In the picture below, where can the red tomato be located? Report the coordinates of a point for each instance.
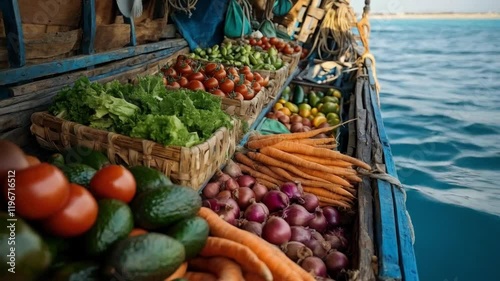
(183, 81)
(195, 85)
(114, 181)
(217, 92)
(274, 41)
(297, 49)
(268, 46)
(288, 50)
(249, 94)
(256, 87)
(220, 74)
(249, 76)
(210, 68)
(265, 81)
(253, 42)
(258, 78)
(211, 83)
(169, 72)
(77, 216)
(264, 40)
(196, 76)
(236, 96)
(137, 232)
(40, 191)
(232, 70)
(241, 88)
(245, 69)
(174, 85)
(247, 82)
(184, 69)
(259, 42)
(226, 85)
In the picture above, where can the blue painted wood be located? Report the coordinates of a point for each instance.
(133, 38)
(406, 250)
(10, 76)
(14, 33)
(88, 26)
(387, 235)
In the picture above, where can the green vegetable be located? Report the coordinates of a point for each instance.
(148, 179)
(167, 130)
(192, 233)
(298, 95)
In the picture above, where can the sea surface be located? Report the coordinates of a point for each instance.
(441, 107)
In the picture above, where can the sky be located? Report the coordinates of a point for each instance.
(426, 6)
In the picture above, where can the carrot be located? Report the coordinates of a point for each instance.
(250, 276)
(318, 191)
(225, 269)
(353, 178)
(247, 170)
(267, 184)
(333, 177)
(280, 265)
(316, 142)
(180, 272)
(271, 162)
(216, 246)
(336, 203)
(340, 205)
(242, 158)
(327, 146)
(330, 186)
(325, 161)
(256, 142)
(199, 276)
(319, 152)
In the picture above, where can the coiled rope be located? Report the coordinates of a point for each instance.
(185, 6)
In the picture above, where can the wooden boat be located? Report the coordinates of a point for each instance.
(383, 231)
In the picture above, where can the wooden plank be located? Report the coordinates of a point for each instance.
(88, 26)
(365, 192)
(43, 86)
(111, 37)
(14, 33)
(15, 120)
(51, 12)
(406, 250)
(10, 76)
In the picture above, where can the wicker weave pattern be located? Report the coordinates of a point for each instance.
(185, 166)
(292, 60)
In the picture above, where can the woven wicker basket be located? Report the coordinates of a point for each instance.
(293, 61)
(185, 166)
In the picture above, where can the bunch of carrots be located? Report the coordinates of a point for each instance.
(299, 157)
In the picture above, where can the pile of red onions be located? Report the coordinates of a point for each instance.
(286, 217)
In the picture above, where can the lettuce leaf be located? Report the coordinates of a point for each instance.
(167, 130)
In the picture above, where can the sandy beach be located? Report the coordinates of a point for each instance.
(437, 16)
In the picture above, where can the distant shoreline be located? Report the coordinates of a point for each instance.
(437, 16)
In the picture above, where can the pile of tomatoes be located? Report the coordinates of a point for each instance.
(229, 82)
(265, 43)
(42, 193)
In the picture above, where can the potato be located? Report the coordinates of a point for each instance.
(306, 122)
(296, 127)
(284, 119)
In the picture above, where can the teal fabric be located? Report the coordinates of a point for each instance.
(271, 126)
(282, 7)
(237, 24)
(267, 28)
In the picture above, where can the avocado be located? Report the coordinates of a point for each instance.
(25, 256)
(87, 156)
(114, 222)
(192, 233)
(165, 206)
(79, 173)
(78, 271)
(148, 178)
(148, 257)
(56, 160)
(298, 95)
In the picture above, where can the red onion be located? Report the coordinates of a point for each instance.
(296, 215)
(314, 265)
(232, 169)
(275, 200)
(231, 184)
(260, 190)
(336, 261)
(311, 202)
(229, 210)
(319, 221)
(246, 180)
(211, 190)
(336, 239)
(332, 216)
(213, 204)
(296, 251)
(300, 234)
(319, 248)
(276, 231)
(221, 177)
(244, 196)
(224, 195)
(256, 212)
(252, 227)
(293, 191)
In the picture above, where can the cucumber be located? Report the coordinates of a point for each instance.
(298, 95)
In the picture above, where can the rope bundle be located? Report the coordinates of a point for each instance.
(183, 5)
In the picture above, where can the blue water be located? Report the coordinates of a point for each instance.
(441, 106)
